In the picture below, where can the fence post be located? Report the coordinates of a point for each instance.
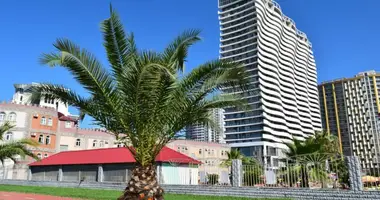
(354, 173)
(5, 171)
(60, 173)
(158, 173)
(237, 173)
(29, 178)
(100, 173)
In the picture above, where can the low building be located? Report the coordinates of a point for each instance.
(112, 165)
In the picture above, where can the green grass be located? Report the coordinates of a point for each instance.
(93, 194)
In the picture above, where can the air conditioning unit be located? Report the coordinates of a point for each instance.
(33, 134)
(35, 115)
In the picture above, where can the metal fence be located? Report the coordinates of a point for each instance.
(307, 171)
(371, 178)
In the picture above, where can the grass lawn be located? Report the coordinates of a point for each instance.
(93, 194)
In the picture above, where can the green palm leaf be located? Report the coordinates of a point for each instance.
(10, 150)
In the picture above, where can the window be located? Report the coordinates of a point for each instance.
(77, 143)
(50, 122)
(20, 98)
(94, 143)
(46, 155)
(41, 139)
(39, 156)
(222, 153)
(101, 144)
(2, 116)
(43, 121)
(9, 136)
(47, 139)
(67, 124)
(63, 147)
(12, 117)
(200, 151)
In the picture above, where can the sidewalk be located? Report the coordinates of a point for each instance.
(26, 196)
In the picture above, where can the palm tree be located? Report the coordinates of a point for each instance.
(11, 150)
(316, 150)
(236, 154)
(145, 99)
(233, 154)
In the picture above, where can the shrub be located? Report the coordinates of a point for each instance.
(213, 179)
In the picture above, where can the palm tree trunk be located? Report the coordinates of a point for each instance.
(143, 185)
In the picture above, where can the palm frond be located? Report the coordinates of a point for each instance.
(176, 52)
(4, 128)
(86, 69)
(121, 47)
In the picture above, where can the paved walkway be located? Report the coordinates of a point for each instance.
(25, 196)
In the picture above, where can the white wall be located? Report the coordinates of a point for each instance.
(17, 135)
(179, 175)
(20, 117)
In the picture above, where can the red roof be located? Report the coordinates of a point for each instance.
(63, 117)
(108, 156)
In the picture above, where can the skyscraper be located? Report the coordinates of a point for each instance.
(350, 109)
(207, 133)
(283, 93)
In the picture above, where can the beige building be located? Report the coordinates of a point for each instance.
(71, 137)
(211, 155)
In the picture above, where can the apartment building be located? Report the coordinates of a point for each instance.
(282, 93)
(350, 109)
(71, 137)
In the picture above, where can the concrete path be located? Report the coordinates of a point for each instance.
(26, 196)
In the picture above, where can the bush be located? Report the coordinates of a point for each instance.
(213, 179)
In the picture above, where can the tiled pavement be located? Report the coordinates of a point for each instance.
(25, 196)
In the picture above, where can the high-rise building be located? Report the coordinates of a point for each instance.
(208, 133)
(350, 109)
(282, 94)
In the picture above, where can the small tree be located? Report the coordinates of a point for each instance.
(12, 149)
(316, 150)
(236, 154)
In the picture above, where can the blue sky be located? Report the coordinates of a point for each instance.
(345, 33)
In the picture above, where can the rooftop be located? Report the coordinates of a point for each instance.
(110, 156)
